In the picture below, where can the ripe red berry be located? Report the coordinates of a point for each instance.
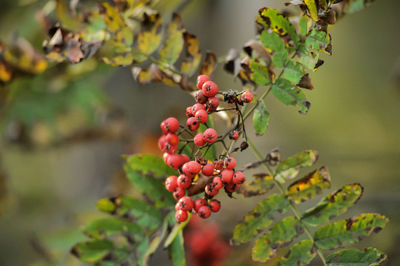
(199, 139)
(178, 193)
(162, 141)
(174, 161)
(208, 169)
(184, 181)
(238, 178)
(227, 175)
(246, 97)
(210, 135)
(198, 203)
(196, 107)
(210, 190)
(170, 124)
(231, 187)
(230, 162)
(212, 104)
(189, 112)
(181, 216)
(204, 212)
(200, 98)
(172, 139)
(217, 182)
(201, 116)
(234, 135)
(186, 203)
(191, 168)
(165, 157)
(201, 79)
(192, 124)
(215, 205)
(209, 89)
(177, 207)
(171, 183)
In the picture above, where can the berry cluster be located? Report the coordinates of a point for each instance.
(199, 175)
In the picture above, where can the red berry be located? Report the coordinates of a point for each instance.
(192, 124)
(172, 139)
(204, 212)
(234, 135)
(165, 157)
(211, 190)
(191, 168)
(170, 124)
(217, 182)
(171, 183)
(208, 169)
(246, 97)
(209, 89)
(238, 178)
(162, 141)
(185, 158)
(189, 112)
(184, 181)
(201, 116)
(186, 203)
(199, 140)
(174, 161)
(178, 193)
(181, 216)
(196, 107)
(198, 203)
(215, 205)
(210, 135)
(177, 207)
(200, 98)
(231, 187)
(218, 164)
(201, 79)
(212, 104)
(227, 175)
(230, 162)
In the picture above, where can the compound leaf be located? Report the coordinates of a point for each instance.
(259, 218)
(333, 205)
(309, 186)
(300, 254)
(350, 257)
(349, 231)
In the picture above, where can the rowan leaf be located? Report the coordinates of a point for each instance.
(312, 8)
(120, 32)
(348, 231)
(299, 254)
(261, 184)
(290, 95)
(176, 249)
(317, 40)
(173, 44)
(307, 58)
(276, 45)
(259, 218)
(107, 227)
(193, 56)
(303, 25)
(333, 205)
(209, 64)
(260, 119)
(150, 36)
(148, 164)
(279, 235)
(350, 257)
(293, 72)
(309, 186)
(156, 239)
(93, 251)
(289, 168)
(260, 73)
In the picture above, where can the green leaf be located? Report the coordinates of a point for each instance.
(176, 249)
(307, 58)
(259, 73)
(260, 119)
(289, 168)
(312, 8)
(300, 254)
(261, 184)
(309, 186)
(156, 240)
(273, 41)
(192, 59)
(289, 94)
(150, 36)
(317, 40)
(146, 215)
(333, 205)
(280, 234)
(349, 231)
(173, 44)
(279, 23)
(178, 227)
(303, 25)
(293, 72)
(111, 226)
(355, 257)
(259, 218)
(148, 164)
(92, 251)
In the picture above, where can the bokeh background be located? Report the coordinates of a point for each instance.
(50, 184)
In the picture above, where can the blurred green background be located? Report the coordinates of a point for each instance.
(51, 190)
